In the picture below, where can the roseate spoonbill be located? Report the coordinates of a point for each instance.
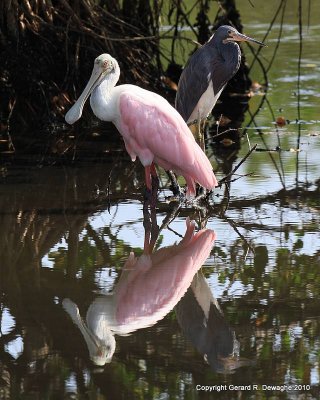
(148, 289)
(207, 72)
(151, 128)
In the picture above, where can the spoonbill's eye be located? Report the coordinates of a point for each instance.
(107, 64)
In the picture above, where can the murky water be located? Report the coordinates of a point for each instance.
(101, 301)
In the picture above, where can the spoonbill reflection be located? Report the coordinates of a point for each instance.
(151, 128)
(148, 289)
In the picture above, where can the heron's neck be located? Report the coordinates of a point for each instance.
(101, 100)
(232, 55)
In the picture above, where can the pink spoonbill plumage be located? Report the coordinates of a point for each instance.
(151, 128)
(149, 287)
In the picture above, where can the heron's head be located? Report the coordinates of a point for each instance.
(226, 34)
(104, 66)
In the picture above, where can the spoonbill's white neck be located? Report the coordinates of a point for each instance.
(101, 100)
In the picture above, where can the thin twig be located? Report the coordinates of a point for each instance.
(267, 33)
(171, 215)
(298, 90)
(275, 50)
(10, 142)
(227, 177)
(227, 189)
(224, 132)
(279, 142)
(233, 225)
(282, 179)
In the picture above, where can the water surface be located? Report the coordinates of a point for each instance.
(240, 306)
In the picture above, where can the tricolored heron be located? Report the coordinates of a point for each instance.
(207, 72)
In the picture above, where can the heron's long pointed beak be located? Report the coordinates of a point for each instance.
(239, 37)
(75, 111)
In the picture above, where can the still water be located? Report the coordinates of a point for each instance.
(102, 301)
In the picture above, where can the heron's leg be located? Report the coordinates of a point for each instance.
(200, 140)
(203, 129)
(200, 133)
(174, 187)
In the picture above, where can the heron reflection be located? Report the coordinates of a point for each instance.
(149, 287)
(204, 324)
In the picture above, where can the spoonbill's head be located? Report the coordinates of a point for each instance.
(104, 66)
(99, 338)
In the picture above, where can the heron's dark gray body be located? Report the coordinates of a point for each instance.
(207, 72)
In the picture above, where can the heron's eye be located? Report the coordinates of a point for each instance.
(229, 32)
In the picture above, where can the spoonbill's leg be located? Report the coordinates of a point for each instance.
(154, 229)
(147, 172)
(152, 185)
(155, 186)
(147, 232)
(147, 194)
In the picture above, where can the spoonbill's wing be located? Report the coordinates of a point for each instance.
(154, 131)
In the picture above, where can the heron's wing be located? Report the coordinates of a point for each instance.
(154, 131)
(205, 65)
(192, 84)
(224, 65)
